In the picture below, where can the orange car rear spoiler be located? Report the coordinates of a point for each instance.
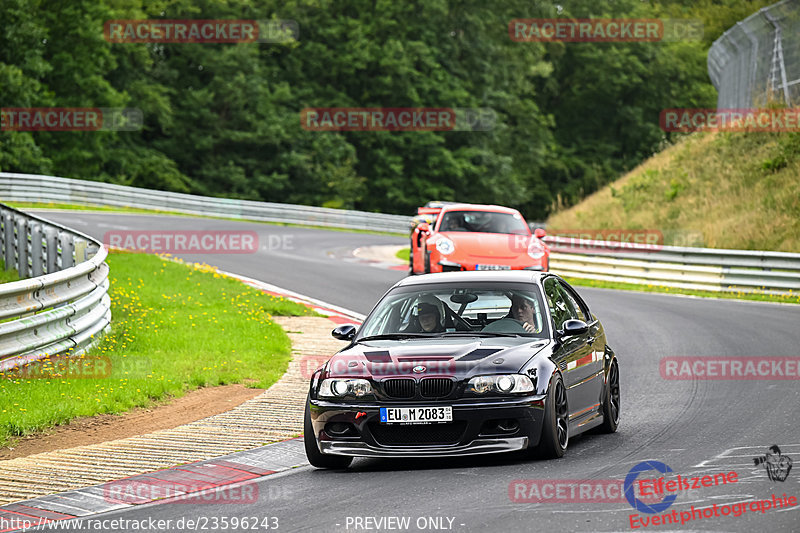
(428, 210)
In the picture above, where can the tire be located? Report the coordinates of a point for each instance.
(555, 431)
(427, 261)
(611, 405)
(315, 457)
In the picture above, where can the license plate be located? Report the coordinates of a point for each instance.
(492, 267)
(416, 415)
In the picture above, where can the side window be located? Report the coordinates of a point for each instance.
(581, 311)
(561, 308)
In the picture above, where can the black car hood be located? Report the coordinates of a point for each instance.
(460, 357)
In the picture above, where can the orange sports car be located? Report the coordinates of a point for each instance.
(451, 237)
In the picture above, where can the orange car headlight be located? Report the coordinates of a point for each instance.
(445, 246)
(535, 250)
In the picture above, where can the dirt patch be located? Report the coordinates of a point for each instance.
(193, 406)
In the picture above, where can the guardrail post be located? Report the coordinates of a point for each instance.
(2, 233)
(51, 240)
(37, 250)
(22, 248)
(80, 251)
(67, 249)
(8, 238)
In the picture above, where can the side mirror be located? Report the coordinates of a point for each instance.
(539, 233)
(424, 227)
(345, 332)
(573, 327)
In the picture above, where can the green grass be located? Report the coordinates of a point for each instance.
(7, 275)
(175, 328)
(737, 190)
(792, 299)
(88, 207)
(114, 209)
(403, 253)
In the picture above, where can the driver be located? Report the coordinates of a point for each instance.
(522, 310)
(454, 222)
(429, 318)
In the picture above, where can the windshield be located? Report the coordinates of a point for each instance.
(453, 310)
(484, 222)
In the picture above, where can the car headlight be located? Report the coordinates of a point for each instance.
(445, 246)
(338, 388)
(535, 250)
(504, 383)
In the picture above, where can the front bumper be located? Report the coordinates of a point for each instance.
(452, 266)
(473, 431)
(476, 447)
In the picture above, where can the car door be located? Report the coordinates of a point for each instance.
(571, 353)
(590, 366)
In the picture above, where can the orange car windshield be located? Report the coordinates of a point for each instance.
(483, 222)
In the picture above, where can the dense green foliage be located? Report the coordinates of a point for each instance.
(223, 119)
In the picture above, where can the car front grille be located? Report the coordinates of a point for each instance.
(428, 388)
(435, 387)
(399, 388)
(416, 434)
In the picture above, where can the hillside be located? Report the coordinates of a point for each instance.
(741, 190)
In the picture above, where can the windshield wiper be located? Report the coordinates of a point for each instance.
(389, 336)
(482, 334)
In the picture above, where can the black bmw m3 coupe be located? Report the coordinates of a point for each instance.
(464, 363)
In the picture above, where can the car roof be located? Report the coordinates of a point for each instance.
(478, 207)
(503, 276)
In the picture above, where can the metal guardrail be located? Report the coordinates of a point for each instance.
(62, 306)
(711, 269)
(34, 188)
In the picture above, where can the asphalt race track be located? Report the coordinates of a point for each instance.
(696, 427)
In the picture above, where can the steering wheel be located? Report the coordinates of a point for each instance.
(506, 325)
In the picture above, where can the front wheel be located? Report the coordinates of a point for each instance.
(315, 457)
(611, 403)
(555, 431)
